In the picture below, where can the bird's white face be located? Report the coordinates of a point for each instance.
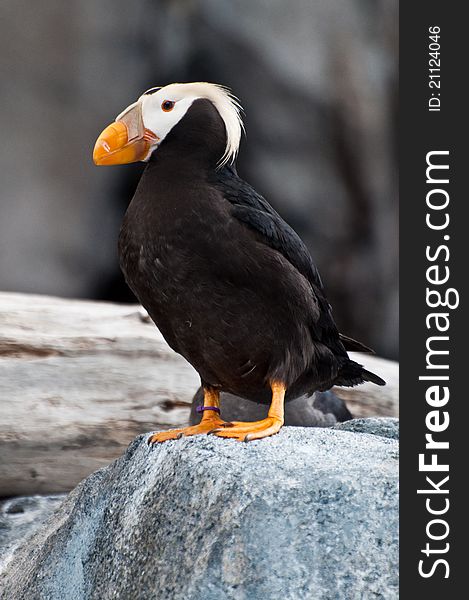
(142, 126)
(162, 110)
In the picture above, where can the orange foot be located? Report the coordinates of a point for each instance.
(205, 426)
(258, 429)
(245, 432)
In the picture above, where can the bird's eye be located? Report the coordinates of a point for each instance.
(168, 105)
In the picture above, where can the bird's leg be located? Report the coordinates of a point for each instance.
(259, 429)
(210, 420)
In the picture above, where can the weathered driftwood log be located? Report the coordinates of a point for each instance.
(79, 379)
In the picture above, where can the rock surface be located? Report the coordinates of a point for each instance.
(388, 428)
(20, 517)
(309, 513)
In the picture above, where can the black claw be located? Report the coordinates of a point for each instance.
(247, 438)
(179, 436)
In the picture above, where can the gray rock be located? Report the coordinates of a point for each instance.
(387, 427)
(20, 517)
(309, 513)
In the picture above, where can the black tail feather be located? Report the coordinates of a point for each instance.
(352, 345)
(352, 373)
(369, 376)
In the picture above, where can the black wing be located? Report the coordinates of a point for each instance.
(254, 210)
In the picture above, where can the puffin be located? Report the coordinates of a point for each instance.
(230, 285)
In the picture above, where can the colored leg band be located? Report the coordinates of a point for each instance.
(201, 409)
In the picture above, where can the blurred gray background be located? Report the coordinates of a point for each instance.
(317, 78)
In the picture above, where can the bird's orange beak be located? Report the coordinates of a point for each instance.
(124, 141)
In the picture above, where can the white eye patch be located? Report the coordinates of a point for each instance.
(156, 118)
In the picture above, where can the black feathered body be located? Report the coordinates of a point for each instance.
(228, 283)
